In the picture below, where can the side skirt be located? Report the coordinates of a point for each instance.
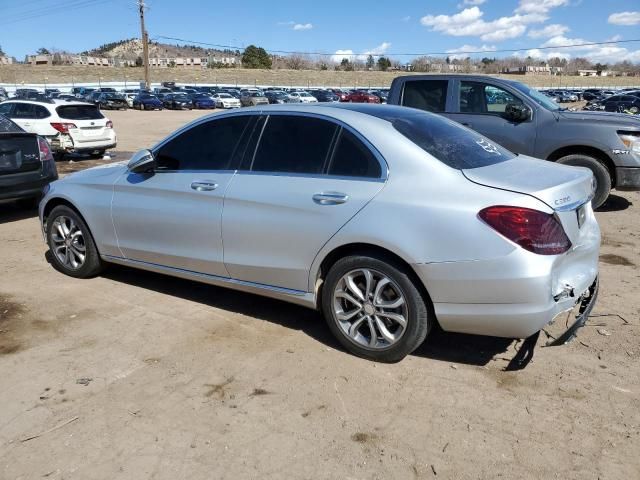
(298, 297)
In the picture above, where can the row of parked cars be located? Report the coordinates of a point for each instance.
(624, 100)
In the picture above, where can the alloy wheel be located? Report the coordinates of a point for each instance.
(370, 309)
(68, 243)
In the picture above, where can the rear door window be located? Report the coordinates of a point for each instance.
(352, 158)
(206, 146)
(294, 144)
(5, 108)
(24, 110)
(79, 112)
(429, 95)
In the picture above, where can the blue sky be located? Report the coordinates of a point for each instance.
(336, 27)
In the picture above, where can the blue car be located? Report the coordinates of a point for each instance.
(201, 100)
(146, 101)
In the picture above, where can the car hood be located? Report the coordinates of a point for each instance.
(620, 120)
(559, 186)
(100, 172)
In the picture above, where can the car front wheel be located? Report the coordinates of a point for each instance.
(73, 251)
(374, 309)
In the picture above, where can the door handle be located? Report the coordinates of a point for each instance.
(204, 186)
(467, 125)
(330, 198)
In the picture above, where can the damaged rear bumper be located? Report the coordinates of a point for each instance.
(575, 319)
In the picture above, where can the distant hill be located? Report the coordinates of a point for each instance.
(131, 48)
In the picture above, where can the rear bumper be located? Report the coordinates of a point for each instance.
(513, 296)
(627, 178)
(27, 189)
(88, 149)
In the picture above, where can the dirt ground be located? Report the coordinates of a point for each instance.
(134, 375)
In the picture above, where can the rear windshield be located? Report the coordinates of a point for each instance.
(7, 126)
(452, 144)
(79, 112)
(18, 154)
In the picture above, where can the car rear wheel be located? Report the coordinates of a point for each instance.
(374, 309)
(73, 251)
(600, 173)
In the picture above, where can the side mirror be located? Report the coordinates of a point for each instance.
(142, 162)
(517, 112)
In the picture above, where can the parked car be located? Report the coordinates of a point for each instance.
(591, 94)
(202, 100)
(177, 101)
(531, 124)
(324, 96)
(303, 97)
(235, 93)
(251, 98)
(111, 101)
(68, 126)
(3, 94)
(480, 251)
(26, 93)
(146, 101)
(92, 97)
(129, 98)
(279, 97)
(381, 94)
(360, 96)
(51, 92)
(225, 100)
(26, 164)
(66, 96)
(622, 103)
(81, 92)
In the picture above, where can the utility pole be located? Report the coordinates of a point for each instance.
(145, 45)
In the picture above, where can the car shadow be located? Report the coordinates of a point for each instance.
(614, 203)
(440, 345)
(14, 211)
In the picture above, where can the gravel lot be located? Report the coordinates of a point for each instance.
(134, 375)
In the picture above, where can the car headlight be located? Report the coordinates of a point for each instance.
(631, 140)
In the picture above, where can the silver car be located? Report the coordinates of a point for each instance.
(388, 219)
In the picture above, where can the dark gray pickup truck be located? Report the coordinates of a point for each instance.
(526, 122)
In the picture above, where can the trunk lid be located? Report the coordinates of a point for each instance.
(90, 124)
(19, 153)
(561, 187)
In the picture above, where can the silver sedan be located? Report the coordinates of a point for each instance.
(387, 219)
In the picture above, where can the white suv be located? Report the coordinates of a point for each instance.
(68, 126)
(303, 97)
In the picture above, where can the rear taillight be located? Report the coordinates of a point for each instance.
(109, 124)
(533, 230)
(63, 127)
(46, 155)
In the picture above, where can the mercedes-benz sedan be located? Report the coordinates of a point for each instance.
(388, 219)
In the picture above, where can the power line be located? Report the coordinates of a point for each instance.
(398, 54)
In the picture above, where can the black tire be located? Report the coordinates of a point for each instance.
(98, 154)
(600, 172)
(419, 321)
(93, 264)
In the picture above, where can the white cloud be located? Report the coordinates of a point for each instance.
(303, 26)
(469, 22)
(460, 51)
(341, 55)
(350, 55)
(467, 3)
(539, 6)
(549, 31)
(625, 18)
(290, 22)
(596, 53)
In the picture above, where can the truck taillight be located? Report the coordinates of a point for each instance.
(533, 230)
(109, 124)
(46, 155)
(63, 127)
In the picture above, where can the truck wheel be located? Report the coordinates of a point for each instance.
(600, 173)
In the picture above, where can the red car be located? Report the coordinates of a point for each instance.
(360, 96)
(342, 95)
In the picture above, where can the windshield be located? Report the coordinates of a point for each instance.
(224, 95)
(113, 96)
(537, 96)
(79, 112)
